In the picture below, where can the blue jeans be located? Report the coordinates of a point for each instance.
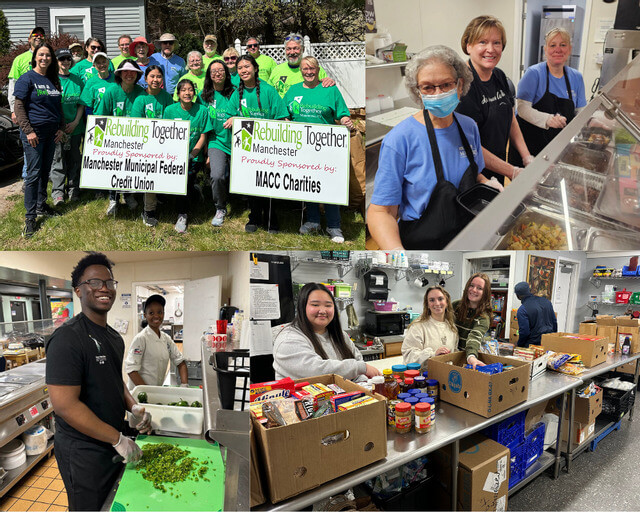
(39, 161)
(332, 212)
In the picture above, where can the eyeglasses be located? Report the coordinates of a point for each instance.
(230, 59)
(37, 36)
(97, 284)
(292, 38)
(255, 45)
(170, 43)
(217, 71)
(431, 89)
(95, 47)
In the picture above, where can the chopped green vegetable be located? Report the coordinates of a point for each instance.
(142, 397)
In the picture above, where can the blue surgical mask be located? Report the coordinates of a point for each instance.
(441, 105)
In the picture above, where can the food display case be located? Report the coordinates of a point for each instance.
(582, 192)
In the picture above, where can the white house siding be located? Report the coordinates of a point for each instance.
(21, 20)
(123, 18)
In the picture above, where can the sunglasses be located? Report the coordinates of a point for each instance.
(292, 38)
(230, 59)
(252, 45)
(170, 43)
(65, 58)
(95, 47)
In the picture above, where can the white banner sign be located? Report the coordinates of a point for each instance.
(136, 155)
(284, 160)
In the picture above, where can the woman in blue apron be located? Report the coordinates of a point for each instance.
(490, 102)
(427, 159)
(549, 94)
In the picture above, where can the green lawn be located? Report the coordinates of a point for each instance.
(84, 226)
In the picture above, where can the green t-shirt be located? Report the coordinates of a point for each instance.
(71, 91)
(218, 112)
(115, 62)
(198, 82)
(284, 76)
(94, 90)
(116, 102)
(272, 105)
(201, 123)
(207, 60)
(235, 79)
(85, 70)
(21, 64)
(151, 106)
(318, 105)
(265, 66)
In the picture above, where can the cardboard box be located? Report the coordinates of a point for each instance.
(514, 335)
(593, 349)
(628, 368)
(628, 327)
(579, 433)
(586, 409)
(486, 395)
(257, 494)
(514, 318)
(483, 473)
(295, 458)
(588, 328)
(607, 327)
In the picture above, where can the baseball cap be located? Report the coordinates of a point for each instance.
(63, 53)
(73, 45)
(100, 54)
(154, 298)
(211, 37)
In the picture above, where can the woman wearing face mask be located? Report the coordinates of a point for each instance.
(489, 102)
(427, 159)
(550, 94)
(473, 316)
(434, 333)
(151, 106)
(315, 344)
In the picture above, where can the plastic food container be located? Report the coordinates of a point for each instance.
(35, 440)
(623, 297)
(384, 306)
(186, 420)
(342, 290)
(13, 455)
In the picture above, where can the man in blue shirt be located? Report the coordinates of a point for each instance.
(172, 64)
(535, 316)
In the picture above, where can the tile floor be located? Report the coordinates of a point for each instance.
(40, 489)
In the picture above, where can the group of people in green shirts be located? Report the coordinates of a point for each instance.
(209, 90)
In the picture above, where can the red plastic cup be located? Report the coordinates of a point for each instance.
(221, 326)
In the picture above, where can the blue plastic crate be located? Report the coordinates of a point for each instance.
(534, 444)
(627, 272)
(517, 464)
(509, 432)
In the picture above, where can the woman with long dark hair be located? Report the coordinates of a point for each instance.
(473, 316)
(434, 333)
(315, 344)
(85, 68)
(38, 109)
(258, 100)
(215, 95)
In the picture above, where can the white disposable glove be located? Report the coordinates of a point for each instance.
(128, 449)
(494, 183)
(140, 419)
(528, 159)
(183, 385)
(516, 171)
(556, 121)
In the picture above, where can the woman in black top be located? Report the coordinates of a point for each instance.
(490, 102)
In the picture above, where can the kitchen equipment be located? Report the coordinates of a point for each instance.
(136, 493)
(13, 455)
(227, 312)
(171, 418)
(35, 440)
(376, 285)
(386, 323)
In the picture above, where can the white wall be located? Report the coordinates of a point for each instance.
(595, 45)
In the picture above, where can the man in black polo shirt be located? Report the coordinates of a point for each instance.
(84, 375)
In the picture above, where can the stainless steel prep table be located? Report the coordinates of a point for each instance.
(613, 361)
(230, 429)
(376, 131)
(452, 424)
(22, 407)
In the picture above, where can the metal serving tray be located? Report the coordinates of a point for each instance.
(579, 156)
(582, 188)
(600, 239)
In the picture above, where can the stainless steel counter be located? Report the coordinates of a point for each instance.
(452, 424)
(376, 131)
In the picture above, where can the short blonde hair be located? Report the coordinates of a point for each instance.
(557, 31)
(478, 27)
(310, 60)
(229, 52)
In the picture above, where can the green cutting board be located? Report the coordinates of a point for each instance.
(136, 493)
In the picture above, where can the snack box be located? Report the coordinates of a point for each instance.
(628, 327)
(305, 455)
(586, 410)
(486, 395)
(593, 349)
(273, 389)
(171, 418)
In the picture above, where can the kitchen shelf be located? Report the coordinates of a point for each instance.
(343, 266)
(14, 475)
(388, 65)
(613, 304)
(595, 280)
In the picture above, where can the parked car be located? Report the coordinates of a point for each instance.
(10, 145)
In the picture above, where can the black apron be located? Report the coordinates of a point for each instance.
(537, 138)
(495, 129)
(442, 219)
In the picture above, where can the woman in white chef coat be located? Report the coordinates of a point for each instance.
(151, 350)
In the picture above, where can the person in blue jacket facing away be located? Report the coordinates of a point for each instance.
(535, 316)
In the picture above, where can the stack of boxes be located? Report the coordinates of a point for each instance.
(514, 333)
(616, 330)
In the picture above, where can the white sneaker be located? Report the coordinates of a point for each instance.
(336, 235)
(309, 227)
(218, 220)
(131, 201)
(113, 205)
(181, 224)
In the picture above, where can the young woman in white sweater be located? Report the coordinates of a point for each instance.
(315, 344)
(434, 333)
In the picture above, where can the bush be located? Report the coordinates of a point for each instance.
(5, 41)
(187, 43)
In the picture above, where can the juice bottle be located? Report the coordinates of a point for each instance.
(391, 388)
